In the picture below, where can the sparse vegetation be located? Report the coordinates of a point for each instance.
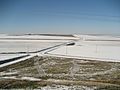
(68, 71)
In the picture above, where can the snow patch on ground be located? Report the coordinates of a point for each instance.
(30, 78)
(63, 87)
(22, 78)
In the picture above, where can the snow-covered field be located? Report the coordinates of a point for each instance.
(104, 48)
(35, 37)
(22, 46)
(27, 43)
(14, 47)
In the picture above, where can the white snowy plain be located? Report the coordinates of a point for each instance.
(27, 43)
(104, 49)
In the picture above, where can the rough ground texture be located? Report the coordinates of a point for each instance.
(63, 73)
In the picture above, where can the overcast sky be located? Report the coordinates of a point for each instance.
(60, 16)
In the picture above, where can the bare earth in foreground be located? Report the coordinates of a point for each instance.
(63, 73)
